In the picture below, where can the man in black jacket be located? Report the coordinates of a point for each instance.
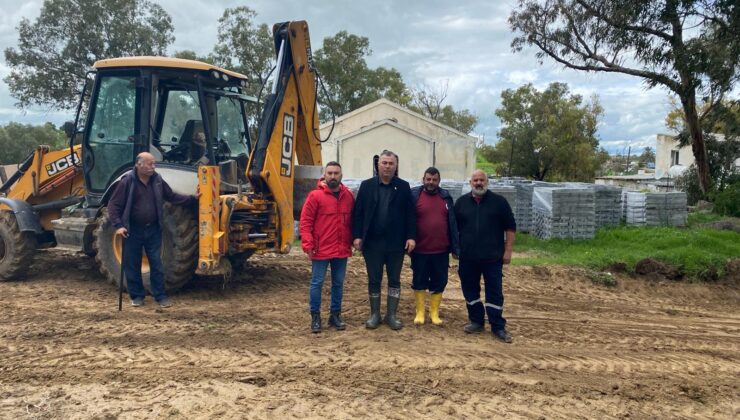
(136, 210)
(482, 219)
(383, 227)
(436, 237)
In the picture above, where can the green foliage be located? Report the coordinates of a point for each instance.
(698, 218)
(721, 156)
(552, 133)
(602, 279)
(244, 46)
(351, 84)
(690, 47)
(18, 140)
(57, 49)
(192, 55)
(727, 202)
(482, 163)
(647, 156)
(692, 250)
(428, 102)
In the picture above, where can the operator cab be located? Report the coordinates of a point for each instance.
(186, 113)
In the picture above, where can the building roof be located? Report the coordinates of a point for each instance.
(383, 101)
(385, 121)
(169, 62)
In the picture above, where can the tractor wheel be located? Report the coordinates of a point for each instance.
(16, 248)
(179, 248)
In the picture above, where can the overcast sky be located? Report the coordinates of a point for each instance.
(463, 43)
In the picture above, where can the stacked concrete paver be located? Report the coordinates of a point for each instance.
(563, 213)
(656, 209)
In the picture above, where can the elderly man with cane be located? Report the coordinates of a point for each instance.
(136, 211)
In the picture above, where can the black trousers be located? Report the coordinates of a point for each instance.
(492, 272)
(378, 255)
(430, 271)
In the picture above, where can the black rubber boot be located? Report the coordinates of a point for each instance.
(315, 322)
(390, 313)
(335, 320)
(374, 319)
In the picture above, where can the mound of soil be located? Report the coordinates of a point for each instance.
(650, 266)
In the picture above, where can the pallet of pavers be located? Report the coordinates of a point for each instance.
(506, 191)
(455, 188)
(524, 190)
(607, 202)
(656, 208)
(567, 213)
(608, 205)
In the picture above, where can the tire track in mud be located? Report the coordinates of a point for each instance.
(61, 356)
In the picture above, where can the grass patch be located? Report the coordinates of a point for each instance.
(701, 217)
(692, 250)
(483, 164)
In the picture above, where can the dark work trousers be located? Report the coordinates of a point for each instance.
(376, 257)
(149, 239)
(430, 271)
(470, 274)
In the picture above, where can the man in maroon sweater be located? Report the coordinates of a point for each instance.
(436, 231)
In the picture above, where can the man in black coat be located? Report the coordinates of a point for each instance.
(487, 228)
(383, 228)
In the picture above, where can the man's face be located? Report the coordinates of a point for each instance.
(332, 176)
(387, 166)
(145, 166)
(431, 183)
(479, 183)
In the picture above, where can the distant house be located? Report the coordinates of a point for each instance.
(668, 154)
(419, 141)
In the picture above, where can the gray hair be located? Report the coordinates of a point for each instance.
(389, 153)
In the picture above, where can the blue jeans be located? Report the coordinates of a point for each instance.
(318, 272)
(147, 239)
(492, 272)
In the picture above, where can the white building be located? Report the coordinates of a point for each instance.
(418, 141)
(669, 155)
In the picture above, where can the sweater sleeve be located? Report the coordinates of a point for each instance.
(175, 198)
(117, 203)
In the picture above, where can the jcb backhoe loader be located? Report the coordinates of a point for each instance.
(193, 117)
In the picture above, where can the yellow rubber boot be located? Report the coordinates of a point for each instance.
(419, 296)
(434, 302)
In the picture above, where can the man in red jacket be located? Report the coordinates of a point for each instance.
(326, 236)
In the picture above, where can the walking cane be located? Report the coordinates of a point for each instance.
(121, 277)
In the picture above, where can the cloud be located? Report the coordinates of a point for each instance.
(466, 44)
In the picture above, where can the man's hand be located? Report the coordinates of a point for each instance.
(357, 244)
(123, 232)
(410, 245)
(507, 256)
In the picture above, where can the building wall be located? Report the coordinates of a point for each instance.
(356, 152)
(452, 152)
(664, 145)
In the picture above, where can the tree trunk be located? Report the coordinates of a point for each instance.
(698, 146)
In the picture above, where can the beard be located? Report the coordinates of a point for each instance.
(479, 191)
(431, 190)
(332, 183)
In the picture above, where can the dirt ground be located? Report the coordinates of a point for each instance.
(643, 349)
